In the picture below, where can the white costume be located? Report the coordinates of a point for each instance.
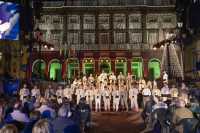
(107, 98)
(35, 92)
(116, 99)
(59, 95)
(67, 93)
(146, 92)
(165, 77)
(120, 78)
(129, 80)
(112, 78)
(133, 93)
(97, 100)
(24, 92)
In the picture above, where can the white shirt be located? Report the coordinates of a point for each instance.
(133, 92)
(146, 92)
(165, 90)
(35, 92)
(46, 108)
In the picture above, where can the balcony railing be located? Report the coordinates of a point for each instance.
(109, 3)
(109, 46)
(53, 3)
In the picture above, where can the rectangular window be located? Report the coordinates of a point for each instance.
(119, 38)
(89, 22)
(104, 38)
(73, 22)
(119, 21)
(135, 37)
(89, 38)
(73, 37)
(104, 22)
(56, 36)
(152, 38)
(135, 21)
(56, 19)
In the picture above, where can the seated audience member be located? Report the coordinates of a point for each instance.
(63, 120)
(42, 126)
(181, 113)
(17, 115)
(45, 110)
(9, 128)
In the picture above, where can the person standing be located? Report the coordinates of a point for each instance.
(129, 80)
(106, 98)
(24, 92)
(68, 92)
(59, 94)
(146, 92)
(35, 92)
(97, 99)
(124, 97)
(116, 98)
(120, 78)
(133, 94)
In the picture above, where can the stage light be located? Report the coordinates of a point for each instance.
(106, 60)
(162, 46)
(154, 48)
(52, 48)
(45, 46)
(91, 61)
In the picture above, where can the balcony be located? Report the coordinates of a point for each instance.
(53, 3)
(109, 46)
(109, 3)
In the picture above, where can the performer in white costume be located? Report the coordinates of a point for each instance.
(24, 92)
(97, 99)
(116, 98)
(133, 93)
(107, 98)
(59, 94)
(35, 92)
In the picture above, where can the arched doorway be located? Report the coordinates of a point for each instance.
(154, 69)
(72, 68)
(105, 65)
(88, 66)
(55, 70)
(120, 66)
(38, 69)
(137, 67)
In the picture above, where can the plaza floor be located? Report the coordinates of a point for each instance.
(116, 122)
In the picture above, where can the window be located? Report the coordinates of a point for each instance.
(119, 21)
(104, 22)
(104, 38)
(119, 38)
(74, 22)
(89, 38)
(89, 22)
(42, 20)
(134, 21)
(152, 19)
(56, 36)
(56, 19)
(73, 38)
(135, 37)
(152, 38)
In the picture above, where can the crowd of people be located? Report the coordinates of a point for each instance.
(67, 109)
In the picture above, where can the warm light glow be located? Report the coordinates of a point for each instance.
(154, 48)
(162, 46)
(45, 46)
(91, 61)
(52, 48)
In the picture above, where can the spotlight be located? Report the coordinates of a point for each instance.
(52, 48)
(162, 46)
(45, 46)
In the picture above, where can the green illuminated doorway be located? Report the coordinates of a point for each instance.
(55, 71)
(72, 69)
(105, 65)
(88, 67)
(38, 72)
(154, 69)
(137, 67)
(120, 66)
